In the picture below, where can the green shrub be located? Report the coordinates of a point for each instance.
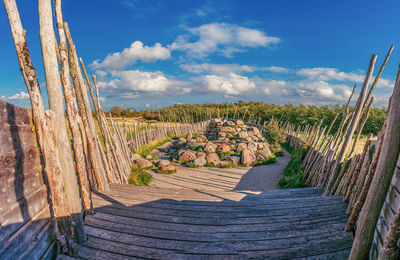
(209, 165)
(229, 165)
(279, 154)
(224, 154)
(274, 136)
(139, 177)
(266, 161)
(293, 174)
(192, 165)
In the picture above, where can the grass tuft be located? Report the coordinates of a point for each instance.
(139, 177)
(266, 161)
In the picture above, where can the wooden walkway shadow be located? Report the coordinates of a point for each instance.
(160, 223)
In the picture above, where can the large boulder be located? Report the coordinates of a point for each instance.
(240, 122)
(187, 156)
(252, 146)
(248, 157)
(143, 163)
(213, 158)
(163, 162)
(167, 168)
(164, 147)
(135, 157)
(199, 161)
(242, 134)
(267, 150)
(261, 155)
(210, 147)
(189, 136)
(241, 147)
(223, 148)
(201, 139)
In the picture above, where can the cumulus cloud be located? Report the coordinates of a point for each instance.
(220, 37)
(329, 74)
(222, 69)
(137, 51)
(230, 85)
(20, 95)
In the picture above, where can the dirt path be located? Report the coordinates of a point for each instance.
(259, 178)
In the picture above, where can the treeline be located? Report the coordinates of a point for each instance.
(131, 112)
(261, 112)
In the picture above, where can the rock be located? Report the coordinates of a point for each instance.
(260, 145)
(239, 122)
(221, 134)
(187, 156)
(261, 155)
(241, 147)
(167, 168)
(248, 157)
(252, 146)
(213, 158)
(199, 161)
(267, 150)
(143, 163)
(180, 143)
(242, 134)
(191, 144)
(155, 152)
(135, 157)
(201, 139)
(223, 148)
(224, 163)
(229, 123)
(165, 146)
(189, 136)
(233, 159)
(201, 154)
(163, 162)
(210, 147)
(149, 157)
(227, 129)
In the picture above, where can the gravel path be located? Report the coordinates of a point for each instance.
(259, 178)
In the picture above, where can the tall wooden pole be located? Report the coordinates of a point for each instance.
(352, 128)
(381, 181)
(46, 132)
(56, 103)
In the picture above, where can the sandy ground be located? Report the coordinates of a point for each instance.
(259, 178)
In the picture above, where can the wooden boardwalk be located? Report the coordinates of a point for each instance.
(164, 223)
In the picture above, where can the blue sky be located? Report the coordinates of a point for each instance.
(148, 54)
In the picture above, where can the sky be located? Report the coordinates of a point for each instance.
(151, 54)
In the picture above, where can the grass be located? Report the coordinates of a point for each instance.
(191, 165)
(139, 177)
(224, 154)
(279, 154)
(146, 149)
(293, 174)
(166, 172)
(266, 161)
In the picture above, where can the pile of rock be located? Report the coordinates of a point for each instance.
(224, 143)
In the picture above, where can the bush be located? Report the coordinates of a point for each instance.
(192, 165)
(279, 154)
(266, 161)
(293, 174)
(274, 136)
(139, 177)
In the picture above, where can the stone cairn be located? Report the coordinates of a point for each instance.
(224, 143)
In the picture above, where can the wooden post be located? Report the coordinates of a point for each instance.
(381, 181)
(46, 132)
(352, 128)
(72, 113)
(56, 103)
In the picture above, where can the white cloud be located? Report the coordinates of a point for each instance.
(102, 99)
(330, 74)
(141, 80)
(131, 95)
(3, 97)
(231, 85)
(220, 37)
(223, 69)
(137, 51)
(20, 95)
